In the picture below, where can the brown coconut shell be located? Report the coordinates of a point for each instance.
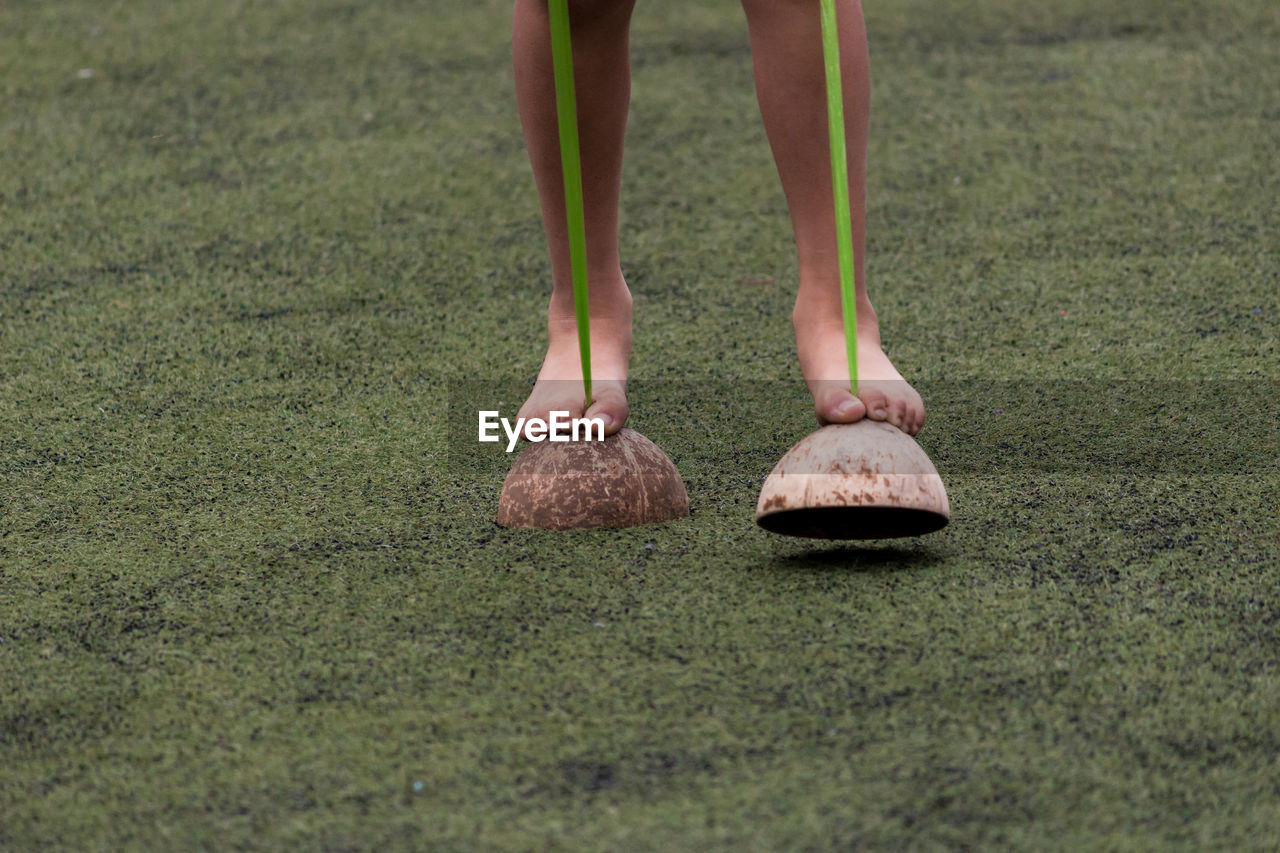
(623, 481)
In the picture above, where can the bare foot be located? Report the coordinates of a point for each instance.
(559, 386)
(883, 395)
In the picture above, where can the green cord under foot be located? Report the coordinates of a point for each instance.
(571, 164)
(840, 186)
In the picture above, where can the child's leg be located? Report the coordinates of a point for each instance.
(786, 47)
(602, 80)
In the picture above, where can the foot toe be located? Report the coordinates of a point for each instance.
(899, 413)
(915, 413)
(875, 400)
(835, 404)
(609, 404)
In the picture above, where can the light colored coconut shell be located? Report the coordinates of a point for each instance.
(865, 480)
(623, 481)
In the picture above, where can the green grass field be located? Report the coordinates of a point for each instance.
(261, 262)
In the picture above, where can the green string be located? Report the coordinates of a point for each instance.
(840, 186)
(571, 165)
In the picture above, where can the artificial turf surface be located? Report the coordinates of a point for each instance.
(260, 263)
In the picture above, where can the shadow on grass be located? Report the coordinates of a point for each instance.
(855, 558)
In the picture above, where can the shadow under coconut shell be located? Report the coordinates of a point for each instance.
(856, 559)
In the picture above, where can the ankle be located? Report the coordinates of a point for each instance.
(824, 310)
(609, 316)
(811, 324)
(608, 296)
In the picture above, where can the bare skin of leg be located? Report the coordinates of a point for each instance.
(602, 79)
(786, 47)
